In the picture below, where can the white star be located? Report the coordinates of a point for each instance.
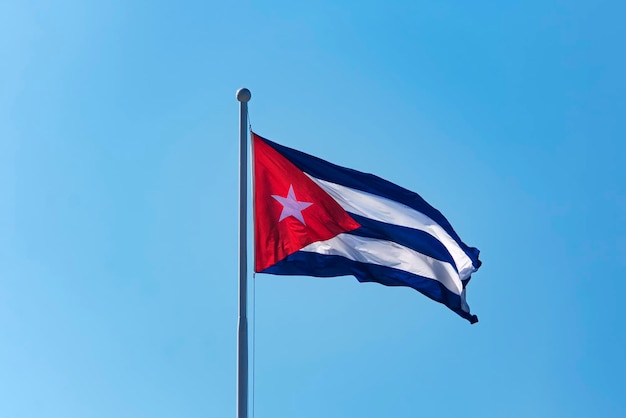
(291, 206)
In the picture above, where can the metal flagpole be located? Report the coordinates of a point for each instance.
(243, 95)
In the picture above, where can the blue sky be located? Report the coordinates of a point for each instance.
(118, 205)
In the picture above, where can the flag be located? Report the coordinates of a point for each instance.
(314, 218)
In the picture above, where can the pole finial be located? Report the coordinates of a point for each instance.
(243, 95)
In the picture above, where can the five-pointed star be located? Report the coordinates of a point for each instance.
(291, 206)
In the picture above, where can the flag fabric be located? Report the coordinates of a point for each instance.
(314, 218)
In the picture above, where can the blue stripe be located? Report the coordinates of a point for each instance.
(370, 183)
(312, 264)
(417, 240)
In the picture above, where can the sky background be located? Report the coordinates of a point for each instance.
(118, 205)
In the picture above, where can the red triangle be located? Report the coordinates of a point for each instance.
(275, 239)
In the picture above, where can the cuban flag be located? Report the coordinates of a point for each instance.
(314, 218)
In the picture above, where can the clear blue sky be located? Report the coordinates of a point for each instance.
(118, 205)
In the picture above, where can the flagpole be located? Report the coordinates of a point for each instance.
(243, 96)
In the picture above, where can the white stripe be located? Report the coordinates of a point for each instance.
(389, 254)
(389, 211)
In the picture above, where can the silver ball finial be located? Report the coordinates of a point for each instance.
(243, 95)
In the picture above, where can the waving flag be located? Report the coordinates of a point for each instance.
(314, 218)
